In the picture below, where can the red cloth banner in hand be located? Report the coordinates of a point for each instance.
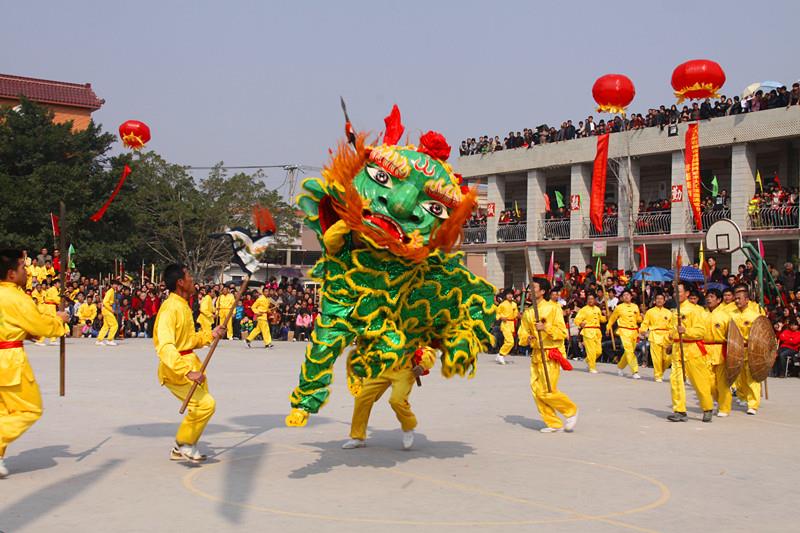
(598, 198)
(102, 211)
(692, 170)
(554, 354)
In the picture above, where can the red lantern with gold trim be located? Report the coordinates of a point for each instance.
(134, 134)
(613, 93)
(697, 79)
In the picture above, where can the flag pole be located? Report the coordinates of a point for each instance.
(62, 350)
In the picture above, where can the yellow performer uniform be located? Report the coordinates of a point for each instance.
(548, 403)
(261, 312)
(206, 317)
(224, 304)
(110, 324)
(657, 320)
(175, 340)
(20, 400)
(693, 318)
(507, 314)
(716, 339)
(402, 382)
(747, 389)
(28, 274)
(627, 318)
(87, 312)
(52, 299)
(591, 333)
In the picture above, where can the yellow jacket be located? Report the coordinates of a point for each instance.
(593, 316)
(108, 302)
(693, 318)
(173, 333)
(261, 307)
(658, 323)
(225, 301)
(87, 311)
(19, 320)
(507, 310)
(28, 275)
(744, 319)
(716, 333)
(207, 307)
(551, 314)
(52, 296)
(37, 296)
(626, 316)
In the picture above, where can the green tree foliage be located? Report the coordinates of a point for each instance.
(161, 214)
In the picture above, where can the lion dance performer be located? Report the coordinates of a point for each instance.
(387, 216)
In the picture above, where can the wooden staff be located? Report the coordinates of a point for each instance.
(675, 281)
(605, 308)
(62, 274)
(214, 344)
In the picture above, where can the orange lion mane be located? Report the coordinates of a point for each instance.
(339, 173)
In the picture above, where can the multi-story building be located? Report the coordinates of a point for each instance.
(734, 149)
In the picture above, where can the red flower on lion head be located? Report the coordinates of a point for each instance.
(435, 145)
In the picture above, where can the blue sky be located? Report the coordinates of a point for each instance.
(259, 82)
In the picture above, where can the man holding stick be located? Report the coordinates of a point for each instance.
(20, 400)
(543, 329)
(589, 319)
(175, 340)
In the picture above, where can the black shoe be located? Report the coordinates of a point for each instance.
(708, 416)
(677, 417)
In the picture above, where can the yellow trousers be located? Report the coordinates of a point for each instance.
(549, 403)
(720, 390)
(223, 314)
(262, 327)
(204, 322)
(699, 376)
(199, 411)
(507, 328)
(51, 310)
(747, 389)
(20, 408)
(110, 327)
(628, 338)
(401, 381)
(593, 348)
(658, 355)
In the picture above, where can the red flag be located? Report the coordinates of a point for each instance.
(692, 171)
(551, 269)
(778, 181)
(54, 225)
(546, 203)
(642, 251)
(102, 211)
(598, 197)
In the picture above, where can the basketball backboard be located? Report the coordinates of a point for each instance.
(723, 236)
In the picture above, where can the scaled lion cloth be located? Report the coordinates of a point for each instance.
(387, 217)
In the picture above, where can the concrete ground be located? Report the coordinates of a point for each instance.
(98, 459)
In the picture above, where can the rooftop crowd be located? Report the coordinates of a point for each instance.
(655, 117)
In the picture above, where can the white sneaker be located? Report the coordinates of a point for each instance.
(38, 343)
(751, 411)
(408, 439)
(185, 451)
(721, 414)
(740, 403)
(111, 343)
(593, 371)
(99, 343)
(353, 443)
(620, 374)
(571, 421)
(637, 376)
(659, 380)
(3, 468)
(500, 360)
(550, 430)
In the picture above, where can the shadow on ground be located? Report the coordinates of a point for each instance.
(527, 423)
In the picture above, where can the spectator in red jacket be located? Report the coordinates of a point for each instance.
(789, 345)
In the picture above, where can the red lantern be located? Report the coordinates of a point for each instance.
(134, 134)
(697, 79)
(613, 93)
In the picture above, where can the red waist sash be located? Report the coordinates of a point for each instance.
(8, 345)
(186, 352)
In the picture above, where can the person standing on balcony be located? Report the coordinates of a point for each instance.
(627, 317)
(507, 314)
(656, 326)
(589, 319)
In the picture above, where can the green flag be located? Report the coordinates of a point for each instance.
(597, 270)
(714, 186)
(559, 200)
(71, 256)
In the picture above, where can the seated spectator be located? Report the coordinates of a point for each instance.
(789, 344)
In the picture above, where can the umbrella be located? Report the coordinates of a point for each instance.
(718, 286)
(765, 86)
(653, 273)
(290, 272)
(688, 273)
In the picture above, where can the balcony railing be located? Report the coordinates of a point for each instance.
(475, 235)
(610, 224)
(773, 217)
(554, 229)
(653, 223)
(708, 218)
(512, 232)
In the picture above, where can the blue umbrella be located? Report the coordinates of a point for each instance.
(718, 286)
(688, 273)
(653, 273)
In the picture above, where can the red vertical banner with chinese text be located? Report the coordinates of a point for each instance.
(692, 169)
(597, 201)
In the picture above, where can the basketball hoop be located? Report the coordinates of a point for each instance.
(723, 236)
